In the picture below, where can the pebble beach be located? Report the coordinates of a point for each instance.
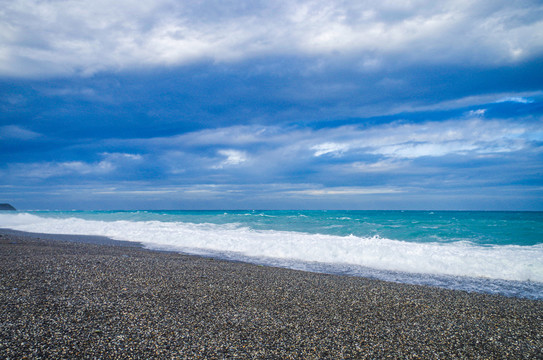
(75, 299)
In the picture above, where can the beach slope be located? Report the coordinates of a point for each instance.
(68, 300)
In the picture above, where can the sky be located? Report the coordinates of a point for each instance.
(167, 104)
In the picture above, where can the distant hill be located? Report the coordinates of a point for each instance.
(6, 207)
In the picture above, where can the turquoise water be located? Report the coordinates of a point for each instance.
(479, 227)
(497, 252)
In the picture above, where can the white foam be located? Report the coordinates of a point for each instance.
(518, 263)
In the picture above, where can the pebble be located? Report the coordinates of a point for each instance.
(66, 300)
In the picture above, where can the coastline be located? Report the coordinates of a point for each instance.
(95, 297)
(424, 248)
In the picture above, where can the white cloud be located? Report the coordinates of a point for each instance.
(72, 36)
(233, 157)
(413, 150)
(476, 113)
(330, 148)
(469, 136)
(434, 139)
(273, 147)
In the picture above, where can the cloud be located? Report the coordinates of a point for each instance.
(516, 99)
(330, 148)
(66, 37)
(55, 169)
(469, 136)
(476, 113)
(435, 139)
(233, 157)
(345, 155)
(462, 102)
(17, 133)
(99, 95)
(386, 165)
(232, 135)
(52, 169)
(134, 192)
(121, 156)
(346, 191)
(66, 91)
(276, 166)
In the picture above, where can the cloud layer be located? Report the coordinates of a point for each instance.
(272, 104)
(397, 159)
(63, 37)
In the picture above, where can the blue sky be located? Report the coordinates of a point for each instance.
(271, 104)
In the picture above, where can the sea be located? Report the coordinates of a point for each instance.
(486, 252)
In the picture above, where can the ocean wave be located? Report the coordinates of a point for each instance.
(506, 262)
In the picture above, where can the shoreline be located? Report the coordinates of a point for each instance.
(507, 288)
(87, 239)
(64, 299)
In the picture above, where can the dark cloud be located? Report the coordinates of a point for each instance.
(310, 104)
